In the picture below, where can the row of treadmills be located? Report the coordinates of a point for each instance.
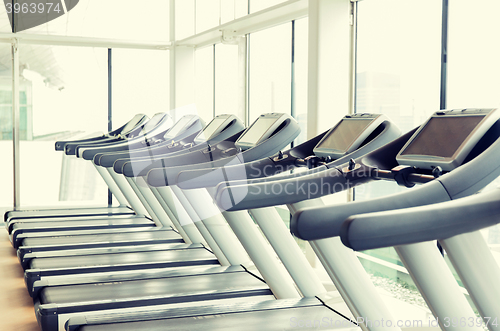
(196, 242)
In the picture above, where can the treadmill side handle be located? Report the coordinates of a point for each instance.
(425, 223)
(326, 221)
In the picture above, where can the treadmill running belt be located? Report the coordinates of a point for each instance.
(83, 212)
(72, 224)
(316, 318)
(188, 285)
(97, 238)
(121, 258)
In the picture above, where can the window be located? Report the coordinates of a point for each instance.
(184, 19)
(270, 71)
(207, 14)
(300, 70)
(204, 82)
(227, 80)
(398, 67)
(258, 5)
(398, 74)
(473, 69)
(232, 9)
(68, 102)
(6, 174)
(140, 83)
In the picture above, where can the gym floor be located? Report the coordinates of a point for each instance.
(16, 306)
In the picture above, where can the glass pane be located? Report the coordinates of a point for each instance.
(473, 67)
(257, 5)
(398, 69)
(226, 79)
(207, 14)
(473, 70)
(300, 76)
(184, 18)
(232, 9)
(226, 11)
(6, 175)
(398, 74)
(66, 101)
(204, 82)
(139, 88)
(270, 71)
(120, 19)
(240, 8)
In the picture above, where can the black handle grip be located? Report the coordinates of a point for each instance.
(424, 223)
(168, 175)
(278, 192)
(326, 221)
(200, 178)
(71, 147)
(60, 145)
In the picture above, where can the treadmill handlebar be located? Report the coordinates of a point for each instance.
(167, 174)
(271, 179)
(71, 147)
(188, 160)
(326, 221)
(229, 155)
(255, 170)
(291, 190)
(327, 178)
(181, 152)
(412, 225)
(150, 150)
(161, 123)
(123, 130)
(88, 152)
(201, 178)
(60, 145)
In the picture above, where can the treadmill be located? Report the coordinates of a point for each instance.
(186, 126)
(455, 153)
(142, 253)
(221, 127)
(454, 223)
(443, 153)
(97, 240)
(55, 299)
(444, 209)
(122, 131)
(159, 125)
(374, 132)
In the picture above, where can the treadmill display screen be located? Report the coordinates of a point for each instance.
(257, 130)
(211, 128)
(345, 134)
(153, 122)
(442, 136)
(177, 128)
(132, 123)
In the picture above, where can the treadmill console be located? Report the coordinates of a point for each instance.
(348, 135)
(215, 127)
(446, 138)
(185, 126)
(263, 127)
(148, 126)
(133, 123)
